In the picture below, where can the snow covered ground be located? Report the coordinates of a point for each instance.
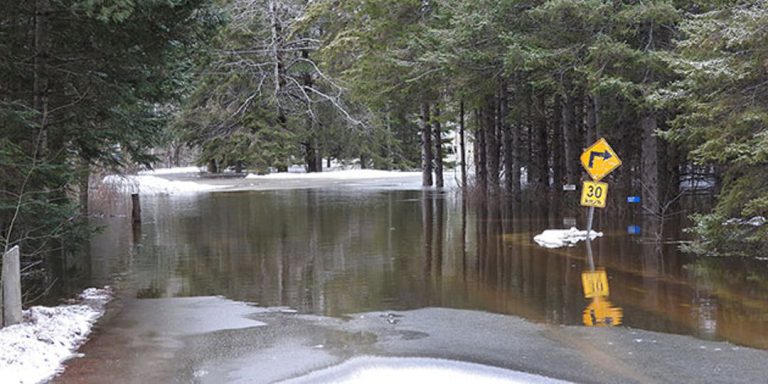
(34, 350)
(172, 171)
(386, 370)
(162, 182)
(556, 238)
(153, 185)
(351, 174)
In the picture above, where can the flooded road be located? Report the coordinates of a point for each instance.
(335, 253)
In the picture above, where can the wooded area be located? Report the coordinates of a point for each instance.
(679, 88)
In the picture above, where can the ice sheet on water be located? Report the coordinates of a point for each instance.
(387, 370)
(556, 238)
(34, 350)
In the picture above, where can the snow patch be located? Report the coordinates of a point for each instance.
(153, 185)
(756, 221)
(34, 350)
(417, 370)
(556, 238)
(351, 174)
(172, 171)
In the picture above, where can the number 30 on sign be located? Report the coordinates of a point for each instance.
(594, 194)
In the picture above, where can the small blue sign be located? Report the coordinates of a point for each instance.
(633, 229)
(633, 199)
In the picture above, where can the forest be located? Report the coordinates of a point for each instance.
(678, 87)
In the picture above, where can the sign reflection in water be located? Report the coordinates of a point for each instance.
(600, 312)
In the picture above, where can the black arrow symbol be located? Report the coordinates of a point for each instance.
(605, 155)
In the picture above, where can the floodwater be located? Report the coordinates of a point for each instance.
(335, 252)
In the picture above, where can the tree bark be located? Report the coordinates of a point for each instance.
(509, 136)
(462, 145)
(557, 144)
(426, 146)
(83, 184)
(570, 138)
(650, 168)
(40, 81)
(591, 105)
(278, 73)
(481, 168)
(310, 156)
(438, 141)
(538, 175)
(492, 144)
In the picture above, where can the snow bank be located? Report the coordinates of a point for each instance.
(556, 238)
(351, 174)
(417, 370)
(34, 350)
(153, 185)
(172, 171)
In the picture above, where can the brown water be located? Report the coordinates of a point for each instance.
(336, 252)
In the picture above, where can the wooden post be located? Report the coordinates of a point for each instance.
(136, 212)
(11, 287)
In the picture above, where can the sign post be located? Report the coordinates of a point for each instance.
(598, 160)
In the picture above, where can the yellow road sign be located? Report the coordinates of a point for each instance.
(595, 283)
(599, 160)
(600, 313)
(594, 194)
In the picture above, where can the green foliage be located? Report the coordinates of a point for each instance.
(725, 116)
(82, 83)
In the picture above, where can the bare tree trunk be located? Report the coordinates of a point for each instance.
(650, 167)
(508, 134)
(462, 145)
(40, 81)
(538, 175)
(278, 70)
(83, 181)
(426, 147)
(672, 172)
(438, 139)
(570, 137)
(310, 156)
(492, 144)
(591, 136)
(557, 144)
(481, 168)
(311, 147)
(318, 155)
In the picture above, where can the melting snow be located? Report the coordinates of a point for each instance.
(556, 238)
(417, 370)
(153, 185)
(34, 350)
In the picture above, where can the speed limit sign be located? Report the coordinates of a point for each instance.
(594, 194)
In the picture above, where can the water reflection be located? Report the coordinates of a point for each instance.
(340, 252)
(594, 281)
